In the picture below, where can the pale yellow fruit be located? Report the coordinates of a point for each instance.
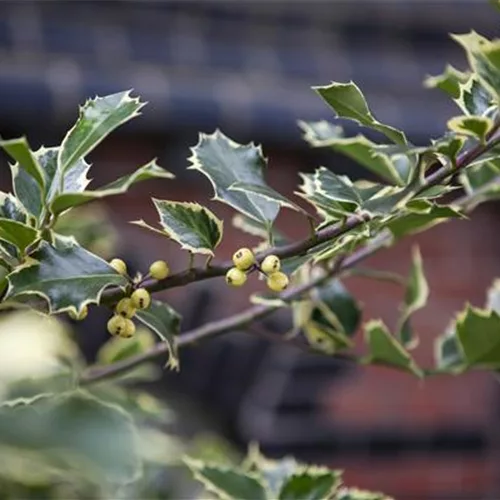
(235, 277)
(117, 325)
(271, 264)
(125, 308)
(141, 299)
(277, 281)
(243, 259)
(159, 270)
(119, 266)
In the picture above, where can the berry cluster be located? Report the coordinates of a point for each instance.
(245, 262)
(121, 323)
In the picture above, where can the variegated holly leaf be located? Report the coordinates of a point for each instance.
(313, 483)
(165, 322)
(227, 483)
(474, 99)
(473, 126)
(266, 192)
(99, 437)
(193, 226)
(386, 350)
(347, 100)
(477, 331)
(337, 187)
(20, 151)
(448, 352)
(98, 118)
(411, 222)
(69, 200)
(396, 168)
(226, 163)
(449, 81)
(484, 58)
(65, 275)
(417, 292)
(18, 234)
(27, 190)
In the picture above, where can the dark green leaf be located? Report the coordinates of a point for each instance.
(20, 151)
(165, 322)
(17, 233)
(417, 292)
(310, 484)
(347, 101)
(386, 350)
(341, 303)
(68, 200)
(449, 81)
(98, 117)
(266, 192)
(227, 483)
(359, 148)
(474, 98)
(410, 223)
(478, 332)
(251, 226)
(76, 431)
(67, 276)
(10, 208)
(336, 187)
(193, 226)
(225, 163)
(474, 126)
(448, 352)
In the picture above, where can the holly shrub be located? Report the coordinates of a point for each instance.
(68, 429)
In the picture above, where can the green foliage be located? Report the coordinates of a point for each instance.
(227, 163)
(62, 440)
(193, 226)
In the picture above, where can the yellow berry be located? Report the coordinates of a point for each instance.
(117, 325)
(119, 266)
(129, 329)
(235, 277)
(79, 316)
(159, 270)
(271, 264)
(141, 298)
(277, 281)
(243, 259)
(125, 308)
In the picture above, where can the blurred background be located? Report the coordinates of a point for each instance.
(247, 68)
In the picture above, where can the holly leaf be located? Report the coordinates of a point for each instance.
(338, 188)
(449, 81)
(165, 322)
(227, 483)
(99, 437)
(416, 295)
(484, 58)
(448, 352)
(192, 225)
(65, 275)
(20, 151)
(472, 126)
(226, 163)
(396, 170)
(18, 234)
(11, 208)
(386, 350)
(347, 101)
(478, 333)
(266, 192)
(474, 99)
(67, 200)
(357, 494)
(98, 118)
(313, 483)
(412, 222)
